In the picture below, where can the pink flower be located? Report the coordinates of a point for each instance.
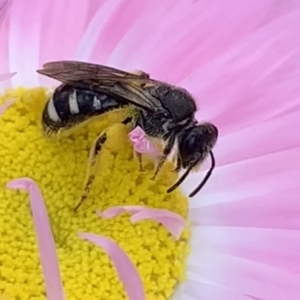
(241, 61)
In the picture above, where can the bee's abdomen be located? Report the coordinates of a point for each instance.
(70, 106)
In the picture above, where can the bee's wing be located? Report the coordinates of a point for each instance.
(128, 86)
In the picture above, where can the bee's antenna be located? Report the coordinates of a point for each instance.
(180, 180)
(202, 183)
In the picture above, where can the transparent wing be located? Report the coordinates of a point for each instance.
(129, 86)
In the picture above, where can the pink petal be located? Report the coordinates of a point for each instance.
(278, 209)
(174, 225)
(254, 244)
(28, 58)
(73, 28)
(4, 6)
(110, 25)
(276, 172)
(4, 53)
(6, 76)
(173, 222)
(253, 141)
(204, 289)
(247, 84)
(88, 42)
(242, 276)
(46, 244)
(116, 210)
(41, 42)
(6, 105)
(126, 270)
(144, 31)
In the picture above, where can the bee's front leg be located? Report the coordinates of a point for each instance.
(167, 150)
(178, 164)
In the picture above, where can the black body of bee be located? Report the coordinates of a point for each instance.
(70, 106)
(162, 111)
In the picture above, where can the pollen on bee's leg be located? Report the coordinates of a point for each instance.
(86, 191)
(91, 168)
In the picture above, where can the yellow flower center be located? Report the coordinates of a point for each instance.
(58, 165)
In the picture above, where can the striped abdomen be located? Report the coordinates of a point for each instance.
(70, 106)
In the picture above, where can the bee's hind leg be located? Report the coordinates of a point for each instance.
(94, 152)
(90, 176)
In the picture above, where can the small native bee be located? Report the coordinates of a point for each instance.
(163, 111)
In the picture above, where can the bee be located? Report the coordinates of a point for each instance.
(163, 111)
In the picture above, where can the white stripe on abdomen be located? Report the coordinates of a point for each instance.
(52, 113)
(74, 109)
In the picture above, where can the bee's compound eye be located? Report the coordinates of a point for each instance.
(190, 140)
(188, 144)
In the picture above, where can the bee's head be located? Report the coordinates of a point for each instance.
(195, 144)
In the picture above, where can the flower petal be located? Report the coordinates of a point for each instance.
(46, 244)
(116, 210)
(4, 6)
(74, 25)
(247, 84)
(6, 105)
(243, 276)
(253, 141)
(276, 172)
(109, 26)
(126, 270)
(44, 35)
(173, 222)
(274, 247)
(274, 209)
(204, 289)
(25, 61)
(6, 76)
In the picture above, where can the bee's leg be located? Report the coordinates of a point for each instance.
(101, 139)
(139, 157)
(167, 150)
(94, 152)
(128, 120)
(178, 165)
